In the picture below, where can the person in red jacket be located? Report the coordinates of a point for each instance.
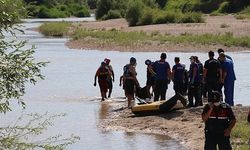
(103, 75)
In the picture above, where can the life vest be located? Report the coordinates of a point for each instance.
(219, 119)
(126, 71)
(103, 73)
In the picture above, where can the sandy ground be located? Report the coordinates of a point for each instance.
(183, 125)
(213, 25)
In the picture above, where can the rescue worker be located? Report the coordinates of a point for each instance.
(112, 78)
(222, 51)
(212, 74)
(228, 78)
(200, 78)
(178, 76)
(219, 121)
(130, 80)
(150, 77)
(103, 75)
(162, 77)
(194, 86)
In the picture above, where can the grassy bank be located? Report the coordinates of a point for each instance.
(134, 38)
(58, 29)
(122, 38)
(241, 133)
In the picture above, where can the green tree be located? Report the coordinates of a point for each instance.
(17, 65)
(103, 7)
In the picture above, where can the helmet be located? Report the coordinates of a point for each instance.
(216, 96)
(148, 62)
(132, 60)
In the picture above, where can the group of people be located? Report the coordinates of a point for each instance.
(196, 82)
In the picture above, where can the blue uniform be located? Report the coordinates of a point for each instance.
(161, 79)
(194, 86)
(228, 67)
(178, 79)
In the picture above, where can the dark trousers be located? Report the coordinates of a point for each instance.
(212, 140)
(194, 92)
(229, 92)
(160, 89)
(110, 86)
(179, 87)
(212, 86)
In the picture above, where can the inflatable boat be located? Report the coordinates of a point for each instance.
(175, 102)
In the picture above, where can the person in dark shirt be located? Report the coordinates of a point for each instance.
(178, 71)
(162, 77)
(219, 120)
(130, 80)
(112, 78)
(103, 75)
(194, 84)
(212, 74)
(200, 78)
(150, 77)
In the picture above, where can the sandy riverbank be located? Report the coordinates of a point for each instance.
(213, 25)
(183, 125)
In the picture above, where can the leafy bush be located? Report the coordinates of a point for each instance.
(82, 12)
(146, 18)
(103, 7)
(32, 10)
(224, 7)
(112, 14)
(191, 17)
(134, 12)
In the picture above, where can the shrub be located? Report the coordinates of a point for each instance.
(147, 17)
(224, 7)
(83, 12)
(191, 17)
(112, 14)
(134, 12)
(103, 7)
(32, 10)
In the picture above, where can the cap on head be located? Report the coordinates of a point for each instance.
(216, 96)
(148, 62)
(163, 55)
(211, 54)
(220, 51)
(132, 60)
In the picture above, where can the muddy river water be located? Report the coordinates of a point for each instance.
(68, 88)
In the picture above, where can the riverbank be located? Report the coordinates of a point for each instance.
(183, 125)
(225, 32)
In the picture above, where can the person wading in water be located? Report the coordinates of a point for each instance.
(103, 75)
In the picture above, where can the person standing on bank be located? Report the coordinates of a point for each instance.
(150, 77)
(178, 76)
(103, 75)
(200, 78)
(130, 80)
(162, 77)
(112, 77)
(194, 84)
(219, 121)
(212, 74)
(228, 78)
